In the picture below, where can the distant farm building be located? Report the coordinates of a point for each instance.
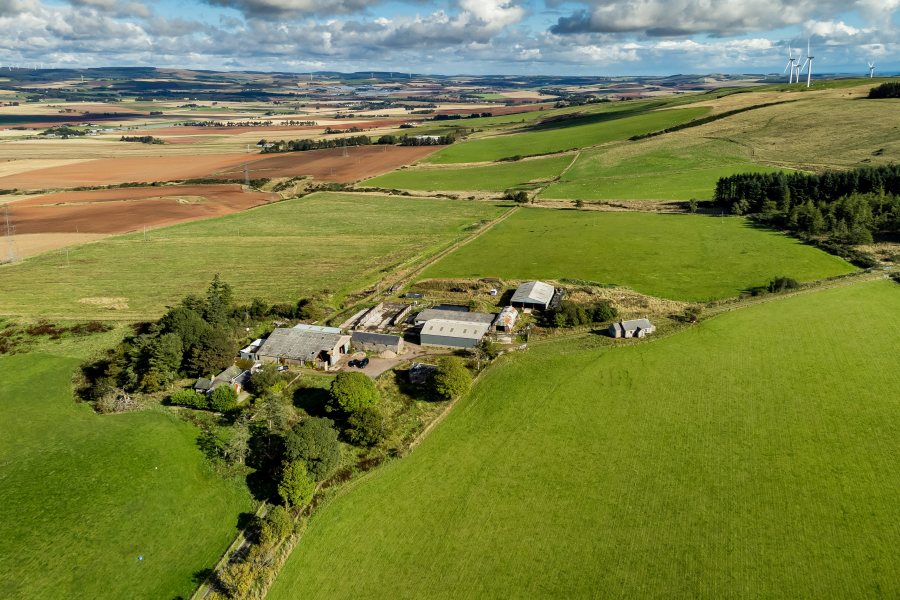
(533, 295)
(506, 320)
(249, 353)
(233, 376)
(376, 342)
(420, 373)
(453, 334)
(460, 316)
(631, 329)
(311, 345)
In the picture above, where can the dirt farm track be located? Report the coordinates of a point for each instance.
(129, 209)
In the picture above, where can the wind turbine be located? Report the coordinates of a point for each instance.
(792, 62)
(808, 64)
(871, 69)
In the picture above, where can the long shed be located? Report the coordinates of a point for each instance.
(453, 334)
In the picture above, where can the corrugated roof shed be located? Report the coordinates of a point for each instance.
(316, 328)
(634, 324)
(298, 344)
(534, 292)
(455, 329)
(453, 315)
(364, 337)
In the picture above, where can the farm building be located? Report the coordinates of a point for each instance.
(629, 329)
(376, 342)
(506, 320)
(316, 328)
(459, 316)
(301, 346)
(249, 353)
(453, 334)
(233, 376)
(533, 295)
(420, 373)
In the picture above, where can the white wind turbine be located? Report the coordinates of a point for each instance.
(808, 64)
(871, 69)
(792, 63)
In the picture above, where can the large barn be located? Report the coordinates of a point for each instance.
(377, 342)
(316, 346)
(535, 295)
(453, 334)
(461, 316)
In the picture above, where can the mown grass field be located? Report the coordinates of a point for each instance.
(651, 170)
(493, 178)
(280, 252)
(82, 496)
(597, 129)
(751, 456)
(683, 257)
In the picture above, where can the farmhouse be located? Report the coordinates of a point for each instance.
(233, 376)
(376, 342)
(459, 316)
(533, 295)
(317, 346)
(629, 329)
(453, 334)
(506, 320)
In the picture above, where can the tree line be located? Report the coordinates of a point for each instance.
(889, 89)
(305, 145)
(844, 207)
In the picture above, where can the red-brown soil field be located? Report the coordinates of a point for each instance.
(112, 171)
(129, 209)
(331, 164)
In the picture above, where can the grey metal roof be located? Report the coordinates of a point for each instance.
(534, 292)
(454, 315)
(299, 344)
(455, 329)
(634, 324)
(316, 328)
(365, 337)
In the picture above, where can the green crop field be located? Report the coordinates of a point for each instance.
(752, 456)
(279, 252)
(493, 178)
(683, 257)
(653, 170)
(604, 127)
(82, 496)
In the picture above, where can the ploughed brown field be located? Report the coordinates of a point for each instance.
(331, 164)
(112, 171)
(129, 209)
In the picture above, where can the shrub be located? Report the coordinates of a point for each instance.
(189, 398)
(366, 427)
(889, 89)
(781, 284)
(452, 378)
(223, 398)
(314, 441)
(295, 486)
(352, 392)
(276, 526)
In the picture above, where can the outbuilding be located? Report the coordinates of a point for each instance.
(376, 342)
(453, 334)
(312, 345)
(506, 320)
(233, 376)
(459, 316)
(533, 295)
(249, 353)
(630, 329)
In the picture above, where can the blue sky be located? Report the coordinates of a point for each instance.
(553, 37)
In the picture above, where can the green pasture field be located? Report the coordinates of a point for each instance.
(579, 133)
(82, 496)
(492, 178)
(653, 170)
(280, 252)
(751, 456)
(683, 257)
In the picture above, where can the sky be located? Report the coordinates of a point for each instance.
(452, 37)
